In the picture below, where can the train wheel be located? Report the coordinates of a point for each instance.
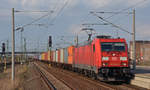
(86, 73)
(82, 71)
(73, 69)
(94, 76)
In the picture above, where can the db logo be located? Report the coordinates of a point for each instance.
(113, 54)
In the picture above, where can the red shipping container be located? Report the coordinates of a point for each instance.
(51, 56)
(46, 56)
(70, 54)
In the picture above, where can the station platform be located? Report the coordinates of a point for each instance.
(142, 77)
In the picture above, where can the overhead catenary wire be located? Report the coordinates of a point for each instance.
(112, 24)
(132, 6)
(59, 12)
(41, 17)
(55, 9)
(38, 11)
(36, 20)
(116, 13)
(49, 13)
(119, 12)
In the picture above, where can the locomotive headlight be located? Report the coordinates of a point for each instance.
(124, 64)
(105, 58)
(123, 58)
(105, 64)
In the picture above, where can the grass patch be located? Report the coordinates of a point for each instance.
(24, 71)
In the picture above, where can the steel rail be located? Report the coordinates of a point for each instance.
(93, 82)
(49, 84)
(63, 81)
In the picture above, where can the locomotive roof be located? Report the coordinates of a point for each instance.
(101, 39)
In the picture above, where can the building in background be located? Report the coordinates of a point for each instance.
(142, 51)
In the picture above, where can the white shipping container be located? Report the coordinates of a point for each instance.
(66, 56)
(56, 56)
(62, 55)
(40, 57)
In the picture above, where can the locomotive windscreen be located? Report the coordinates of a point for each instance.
(112, 46)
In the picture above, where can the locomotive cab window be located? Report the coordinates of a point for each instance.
(113, 46)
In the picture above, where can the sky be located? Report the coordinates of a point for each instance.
(64, 20)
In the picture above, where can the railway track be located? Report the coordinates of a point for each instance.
(120, 86)
(98, 85)
(75, 81)
(45, 79)
(114, 85)
(52, 85)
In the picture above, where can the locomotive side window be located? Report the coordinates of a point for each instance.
(113, 46)
(94, 48)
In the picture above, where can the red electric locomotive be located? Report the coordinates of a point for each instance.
(104, 58)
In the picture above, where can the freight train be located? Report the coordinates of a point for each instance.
(104, 58)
